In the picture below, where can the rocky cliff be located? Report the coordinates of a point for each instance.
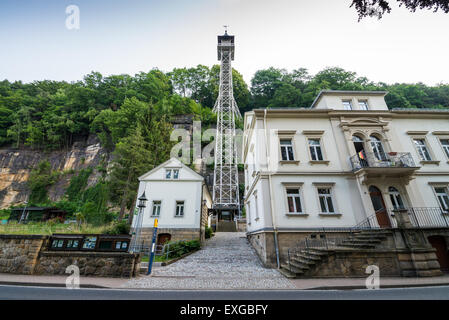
(16, 165)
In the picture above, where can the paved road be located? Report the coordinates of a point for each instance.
(227, 261)
(42, 293)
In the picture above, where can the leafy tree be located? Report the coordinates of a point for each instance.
(134, 155)
(41, 178)
(377, 8)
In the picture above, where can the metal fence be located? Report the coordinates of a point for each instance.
(387, 160)
(424, 217)
(168, 250)
(328, 238)
(420, 217)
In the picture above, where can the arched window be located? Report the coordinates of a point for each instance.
(378, 148)
(357, 139)
(396, 199)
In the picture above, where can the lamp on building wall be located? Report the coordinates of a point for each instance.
(136, 245)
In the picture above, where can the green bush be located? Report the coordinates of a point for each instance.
(208, 232)
(178, 248)
(4, 214)
(78, 183)
(41, 178)
(120, 227)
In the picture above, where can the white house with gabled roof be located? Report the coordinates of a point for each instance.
(179, 198)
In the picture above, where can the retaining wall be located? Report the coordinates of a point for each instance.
(27, 254)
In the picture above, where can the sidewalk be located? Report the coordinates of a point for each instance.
(359, 283)
(59, 281)
(298, 284)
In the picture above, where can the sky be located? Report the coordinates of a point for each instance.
(129, 36)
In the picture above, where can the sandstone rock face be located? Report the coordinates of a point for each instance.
(16, 165)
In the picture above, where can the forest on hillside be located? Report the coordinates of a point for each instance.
(51, 114)
(132, 116)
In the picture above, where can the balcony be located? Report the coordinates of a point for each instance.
(392, 165)
(414, 217)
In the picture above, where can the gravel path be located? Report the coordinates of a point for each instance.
(227, 261)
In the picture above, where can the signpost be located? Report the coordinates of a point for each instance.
(153, 246)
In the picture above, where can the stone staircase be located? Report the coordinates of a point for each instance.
(303, 260)
(226, 226)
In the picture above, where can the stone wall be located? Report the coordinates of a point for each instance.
(20, 253)
(403, 253)
(263, 243)
(100, 264)
(241, 225)
(177, 234)
(353, 264)
(27, 254)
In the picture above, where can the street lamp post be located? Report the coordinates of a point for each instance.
(135, 246)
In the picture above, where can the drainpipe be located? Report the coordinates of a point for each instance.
(273, 219)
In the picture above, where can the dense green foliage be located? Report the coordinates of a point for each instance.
(178, 248)
(208, 232)
(277, 88)
(131, 115)
(78, 183)
(52, 114)
(119, 227)
(41, 178)
(377, 8)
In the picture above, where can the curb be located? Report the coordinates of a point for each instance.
(93, 286)
(387, 286)
(46, 284)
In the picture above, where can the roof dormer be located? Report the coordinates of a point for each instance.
(350, 100)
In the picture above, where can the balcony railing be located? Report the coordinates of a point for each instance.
(419, 218)
(388, 160)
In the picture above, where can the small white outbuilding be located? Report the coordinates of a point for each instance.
(179, 198)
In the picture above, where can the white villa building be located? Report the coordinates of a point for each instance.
(178, 198)
(346, 160)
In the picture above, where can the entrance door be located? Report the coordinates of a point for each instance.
(379, 207)
(439, 243)
(226, 216)
(163, 238)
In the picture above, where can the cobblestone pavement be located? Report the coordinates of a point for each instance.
(227, 261)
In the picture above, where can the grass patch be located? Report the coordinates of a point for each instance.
(156, 259)
(44, 228)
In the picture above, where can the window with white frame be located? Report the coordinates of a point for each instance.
(445, 144)
(396, 199)
(156, 211)
(326, 200)
(378, 148)
(179, 209)
(443, 197)
(167, 173)
(287, 150)
(172, 174)
(315, 149)
(347, 104)
(422, 149)
(363, 105)
(294, 200)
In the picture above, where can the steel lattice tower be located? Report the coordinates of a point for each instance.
(226, 186)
